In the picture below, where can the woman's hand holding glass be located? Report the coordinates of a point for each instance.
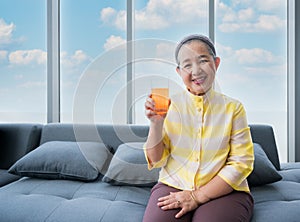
(150, 110)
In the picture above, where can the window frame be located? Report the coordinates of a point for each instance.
(53, 67)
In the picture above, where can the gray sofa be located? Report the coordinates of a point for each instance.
(75, 187)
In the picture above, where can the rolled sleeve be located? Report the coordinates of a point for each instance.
(240, 160)
(162, 162)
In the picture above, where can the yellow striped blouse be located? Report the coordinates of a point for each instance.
(205, 136)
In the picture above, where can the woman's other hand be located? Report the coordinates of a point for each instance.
(181, 199)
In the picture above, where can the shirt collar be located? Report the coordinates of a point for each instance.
(205, 98)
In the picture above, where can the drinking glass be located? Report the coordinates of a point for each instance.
(161, 99)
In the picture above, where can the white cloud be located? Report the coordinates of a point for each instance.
(256, 56)
(79, 56)
(112, 17)
(158, 14)
(120, 20)
(6, 31)
(177, 11)
(246, 14)
(37, 56)
(249, 16)
(229, 15)
(72, 61)
(243, 16)
(264, 23)
(224, 51)
(269, 23)
(107, 14)
(25, 57)
(269, 5)
(145, 20)
(225, 12)
(255, 60)
(265, 5)
(114, 41)
(33, 85)
(3, 54)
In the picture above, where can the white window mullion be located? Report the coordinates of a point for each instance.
(211, 19)
(291, 81)
(129, 83)
(53, 62)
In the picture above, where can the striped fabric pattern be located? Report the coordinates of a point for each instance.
(205, 136)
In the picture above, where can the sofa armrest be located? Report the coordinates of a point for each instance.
(16, 140)
(264, 135)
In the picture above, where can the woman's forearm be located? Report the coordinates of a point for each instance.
(154, 144)
(217, 187)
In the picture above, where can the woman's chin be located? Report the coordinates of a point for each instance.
(197, 92)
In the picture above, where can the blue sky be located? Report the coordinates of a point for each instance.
(250, 39)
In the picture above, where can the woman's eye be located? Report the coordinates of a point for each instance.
(187, 66)
(202, 61)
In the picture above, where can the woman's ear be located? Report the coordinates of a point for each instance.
(178, 70)
(217, 62)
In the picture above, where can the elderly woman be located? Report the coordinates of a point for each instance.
(202, 145)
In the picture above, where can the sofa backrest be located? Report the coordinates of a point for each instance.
(112, 135)
(16, 140)
(264, 135)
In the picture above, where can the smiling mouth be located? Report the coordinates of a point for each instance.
(200, 80)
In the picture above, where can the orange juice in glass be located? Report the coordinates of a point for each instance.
(161, 99)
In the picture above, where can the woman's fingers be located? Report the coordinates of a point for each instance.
(149, 104)
(168, 202)
(177, 200)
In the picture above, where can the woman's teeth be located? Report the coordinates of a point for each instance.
(199, 80)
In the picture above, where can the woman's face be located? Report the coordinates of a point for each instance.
(197, 67)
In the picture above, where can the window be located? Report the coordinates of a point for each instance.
(23, 59)
(105, 79)
(252, 43)
(93, 69)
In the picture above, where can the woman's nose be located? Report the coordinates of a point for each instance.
(196, 70)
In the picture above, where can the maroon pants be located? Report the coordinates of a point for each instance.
(234, 207)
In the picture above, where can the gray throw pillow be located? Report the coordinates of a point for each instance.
(129, 167)
(264, 171)
(64, 160)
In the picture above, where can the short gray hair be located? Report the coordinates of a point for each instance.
(207, 41)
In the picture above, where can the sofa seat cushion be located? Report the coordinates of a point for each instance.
(290, 172)
(6, 178)
(279, 201)
(276, 202)
(35, 200)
